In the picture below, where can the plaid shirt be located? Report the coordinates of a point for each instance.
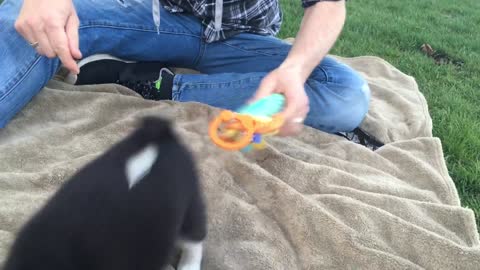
(225, 18)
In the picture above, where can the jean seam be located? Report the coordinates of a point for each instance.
(14, 83)
(135, 29)
(247, 51)
(202, 49)
(200, 55)
(176, 92)
(328, 77)
(326, 82)
(327, 89)
(187, 85)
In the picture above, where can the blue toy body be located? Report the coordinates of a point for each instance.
(262, 110)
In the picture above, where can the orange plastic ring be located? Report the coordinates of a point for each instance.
(247, 125)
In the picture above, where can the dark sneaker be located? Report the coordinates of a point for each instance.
(158, 89)
(152, 80)
(361, 137)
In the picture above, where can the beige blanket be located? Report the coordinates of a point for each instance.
(315, 201)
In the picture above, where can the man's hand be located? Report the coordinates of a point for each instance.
(53, 24)
(289, 82)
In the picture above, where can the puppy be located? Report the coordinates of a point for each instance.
(125, 210)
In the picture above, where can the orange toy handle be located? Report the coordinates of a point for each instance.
(246, 127)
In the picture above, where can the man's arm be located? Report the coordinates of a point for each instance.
(320, 28)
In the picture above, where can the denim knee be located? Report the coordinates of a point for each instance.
(340, 103)
(356, 107)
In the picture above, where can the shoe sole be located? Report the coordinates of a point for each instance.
(113, 69)
(99, 57)
(72, 79)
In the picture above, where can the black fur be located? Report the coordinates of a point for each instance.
(94, 222)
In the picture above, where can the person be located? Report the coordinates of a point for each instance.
(231, 43)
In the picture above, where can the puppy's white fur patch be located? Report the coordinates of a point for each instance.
(191, 258)
(139, 165)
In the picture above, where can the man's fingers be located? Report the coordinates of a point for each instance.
(292, 107)
(59, 41)
(290, 129)
(289, 111)
(294, 116)
(296, 103)
(44, 47)
(293, 122)
(32, 31)
(72, 34)
(25, 31)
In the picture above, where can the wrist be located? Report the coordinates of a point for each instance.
(297, 66)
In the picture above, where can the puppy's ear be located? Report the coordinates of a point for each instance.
(156, 128)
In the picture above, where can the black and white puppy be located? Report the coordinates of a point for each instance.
(127, 209)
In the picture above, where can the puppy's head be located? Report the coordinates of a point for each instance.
(155, 129)
(149, 130)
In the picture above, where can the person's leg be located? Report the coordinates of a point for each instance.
(124, 29)
(18, 62)
(339, 96)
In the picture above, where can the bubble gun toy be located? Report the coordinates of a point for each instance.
(247, 128)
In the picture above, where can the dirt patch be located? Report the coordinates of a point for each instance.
(440, 58)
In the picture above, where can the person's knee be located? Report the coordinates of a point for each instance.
(356, 106)
(339, 106)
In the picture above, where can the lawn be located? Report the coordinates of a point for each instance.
(395, 30)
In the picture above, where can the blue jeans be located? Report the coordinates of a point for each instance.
(232, 69)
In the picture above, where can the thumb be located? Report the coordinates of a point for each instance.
(289, 111)
(72, 34)
(293, 105)
(267, 87)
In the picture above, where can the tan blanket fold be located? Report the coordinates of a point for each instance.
(315, 201)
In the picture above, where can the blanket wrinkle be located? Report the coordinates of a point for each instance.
(313, 201)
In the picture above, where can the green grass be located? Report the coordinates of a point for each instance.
(394, 30)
